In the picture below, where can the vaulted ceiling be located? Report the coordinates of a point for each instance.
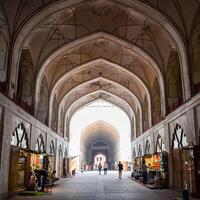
(130, 53)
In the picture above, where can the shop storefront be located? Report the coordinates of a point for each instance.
(157, 164)
(19, 160)
(39, 158)
(23, 161)
(181, 157)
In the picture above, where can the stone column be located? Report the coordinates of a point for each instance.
(5, 138)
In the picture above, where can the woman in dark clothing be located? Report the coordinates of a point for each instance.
(99, 167)
(144, 172)
(120, 167)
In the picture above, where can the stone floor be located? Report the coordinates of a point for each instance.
(91, 186)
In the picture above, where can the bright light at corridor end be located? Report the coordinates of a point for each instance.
(101, 111)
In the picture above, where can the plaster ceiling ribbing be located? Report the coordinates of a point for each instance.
(119, 75)
(99, 94)
(135, 9)
(141, 65)
(70, 24)
(114, 89)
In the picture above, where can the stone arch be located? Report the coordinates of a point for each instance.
(160, 146)
(100, 132)
(118, 85)
(105, 62)
(140, 52)
(68, 116)
(40, 144)
(179, 138)
(19, 137)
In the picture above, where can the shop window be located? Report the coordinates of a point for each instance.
(19, 137)
(40, 147)
(160, 147)
(179, 138)
(60, 151)
(147, 147)
(52, 148)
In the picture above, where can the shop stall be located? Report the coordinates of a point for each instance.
(19, 160)
(156, 164)
(51, 157)
(181, 155)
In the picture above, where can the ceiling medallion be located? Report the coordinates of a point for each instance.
(101, 8)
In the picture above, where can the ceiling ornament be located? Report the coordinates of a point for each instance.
(101, 8)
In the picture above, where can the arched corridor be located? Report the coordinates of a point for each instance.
(100, 127)
(84, 82)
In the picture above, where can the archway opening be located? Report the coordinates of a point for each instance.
(100, 128)
(99, 158)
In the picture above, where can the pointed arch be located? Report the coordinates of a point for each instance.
(160, 146)
(179, 138)
(40, 144)
(52, 150)
(19, 137)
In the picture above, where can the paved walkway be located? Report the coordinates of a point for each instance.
(91, 186)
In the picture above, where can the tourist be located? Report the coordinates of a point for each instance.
(99, 167)
(144, 172)
(105, 168)
(120, 168)
(53, 177)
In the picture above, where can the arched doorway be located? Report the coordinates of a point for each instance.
(99, 158)
(105, 129)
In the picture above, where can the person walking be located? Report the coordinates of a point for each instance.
(120, 168)
(99, 167)
(144, 172)
(105, 168)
